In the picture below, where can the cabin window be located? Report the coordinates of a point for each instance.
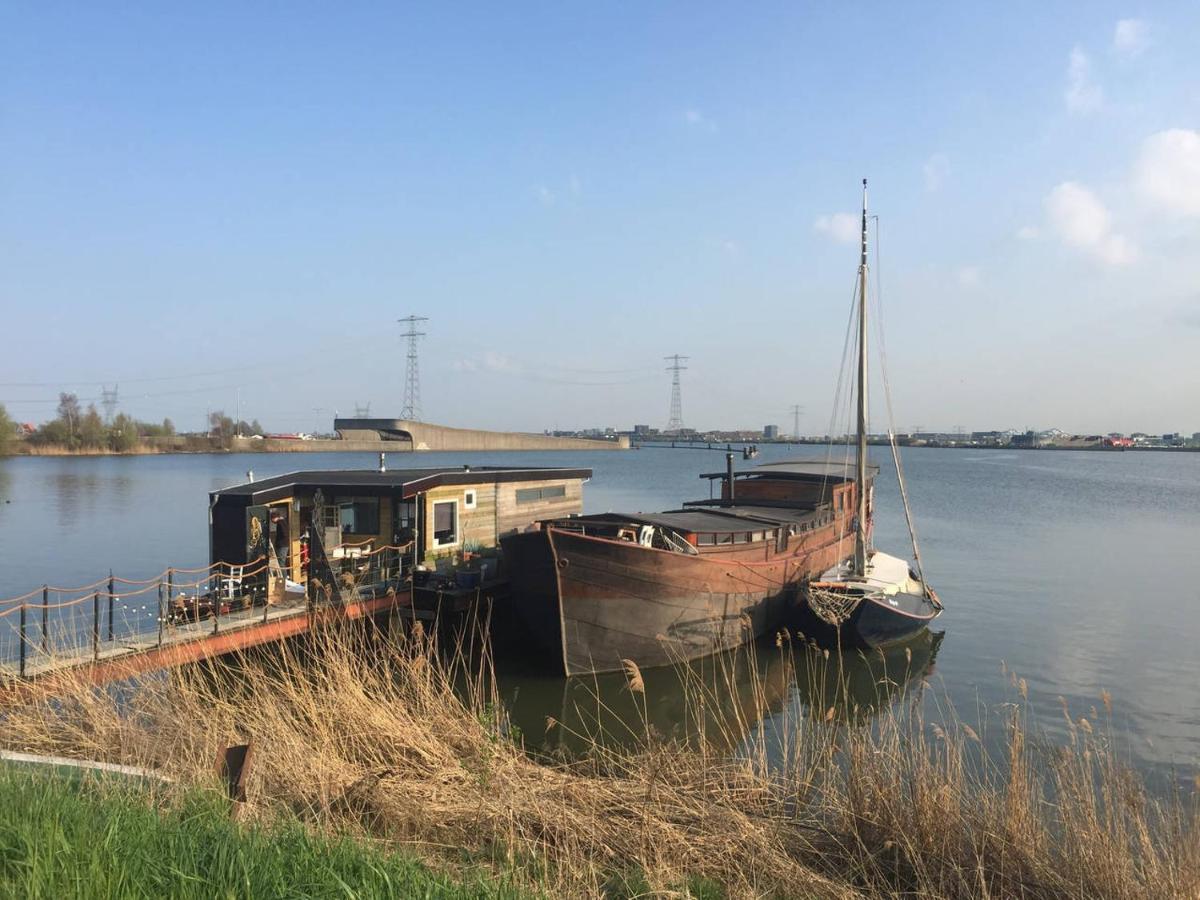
(445, 523)
(469, 499)
(705, 540)
(533, 495)
(359, 515)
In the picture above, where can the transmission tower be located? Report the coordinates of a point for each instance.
(797, 409)
(675, 423)
(108, 400)
(362, 412)
(412, 378)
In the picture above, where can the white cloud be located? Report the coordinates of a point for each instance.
(1083, 95)
(1167, 173)
(1131, 37)
(936, 168)
(1028, 232)
(968, 276)
(545, 195)
(845, 227)
(696, 119)
(1082, 221)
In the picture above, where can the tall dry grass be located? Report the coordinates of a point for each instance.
(397, 742)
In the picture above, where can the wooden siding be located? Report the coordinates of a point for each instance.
(497, 511)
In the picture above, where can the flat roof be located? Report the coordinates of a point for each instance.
(714, 520)
(801, 470)
(408, 482)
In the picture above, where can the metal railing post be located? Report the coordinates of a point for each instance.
(96, 625)
(45, 619)
(111, 598)
(162, 612)
(24, 639)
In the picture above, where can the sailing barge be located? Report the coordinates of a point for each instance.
(666, 587)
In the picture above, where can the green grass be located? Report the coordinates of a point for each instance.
(63, 838)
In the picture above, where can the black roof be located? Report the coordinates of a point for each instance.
(407, 482)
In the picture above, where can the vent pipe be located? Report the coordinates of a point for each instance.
(729, 473)
(382, 462)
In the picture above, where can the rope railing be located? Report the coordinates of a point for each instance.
(56, 623)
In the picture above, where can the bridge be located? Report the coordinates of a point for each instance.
(404, 434)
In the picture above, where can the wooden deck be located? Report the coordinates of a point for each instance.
(188, 643)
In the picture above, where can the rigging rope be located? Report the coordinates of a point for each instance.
(887, 393)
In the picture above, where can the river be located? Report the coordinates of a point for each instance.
(1078, 571)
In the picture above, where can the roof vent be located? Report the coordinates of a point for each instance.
(250, 476)
(382, 462)
(466, 468)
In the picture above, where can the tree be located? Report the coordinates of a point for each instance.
(221, 426)
(255, 428)
(168, 428)
(8, 431)
(90, 430)
(68, 412)
(123, 434)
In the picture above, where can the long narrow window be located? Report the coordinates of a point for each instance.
(533, 495)
(445, 523)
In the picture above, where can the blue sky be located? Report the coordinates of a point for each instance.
(194, 202)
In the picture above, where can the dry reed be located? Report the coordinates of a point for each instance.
(392, 740)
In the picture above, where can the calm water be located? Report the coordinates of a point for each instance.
(1078, 571)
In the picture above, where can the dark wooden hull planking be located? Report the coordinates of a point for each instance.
(595, 601)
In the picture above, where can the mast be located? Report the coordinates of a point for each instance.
(860, 530)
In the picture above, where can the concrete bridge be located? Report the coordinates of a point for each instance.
(403, 434)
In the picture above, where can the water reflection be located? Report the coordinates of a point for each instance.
(5, 489)
(721, 698)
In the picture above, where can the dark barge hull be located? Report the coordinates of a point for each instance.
(594, 602)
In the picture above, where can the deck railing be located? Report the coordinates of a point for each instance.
(55, 625)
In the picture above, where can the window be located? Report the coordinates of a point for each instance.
(533, 495)
(445, 523)
(469, 499)
(359, 515)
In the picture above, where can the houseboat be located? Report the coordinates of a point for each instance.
(377, 525)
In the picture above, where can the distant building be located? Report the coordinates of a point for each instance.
(770, 432)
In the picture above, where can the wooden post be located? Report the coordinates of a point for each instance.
(162, 612)
(24, 638)
(45, 618)
(96, 626)
(111, 597)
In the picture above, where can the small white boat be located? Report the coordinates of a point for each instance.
(888, 602)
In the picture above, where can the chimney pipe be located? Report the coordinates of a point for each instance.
(729, 473)
(382, 462)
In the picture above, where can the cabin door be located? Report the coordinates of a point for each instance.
(257, 532)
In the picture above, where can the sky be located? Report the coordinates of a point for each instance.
(211, 202)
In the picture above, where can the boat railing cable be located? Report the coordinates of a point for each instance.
(887, 393)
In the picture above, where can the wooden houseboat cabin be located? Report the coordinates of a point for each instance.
(433, 512)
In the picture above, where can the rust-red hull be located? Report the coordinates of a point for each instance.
(598, 601)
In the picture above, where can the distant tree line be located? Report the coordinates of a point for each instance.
(76, 428)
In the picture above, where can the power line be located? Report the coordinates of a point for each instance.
(362, 412)
(412, 377)
(675, 422)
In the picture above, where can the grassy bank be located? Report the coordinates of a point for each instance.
(63, 837)
(383, 742)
